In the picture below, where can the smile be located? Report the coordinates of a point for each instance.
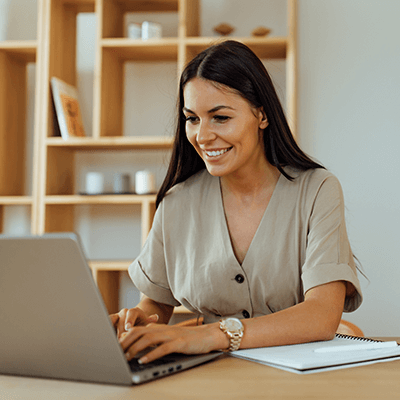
(216, 153)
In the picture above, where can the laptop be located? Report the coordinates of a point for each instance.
(54, 323)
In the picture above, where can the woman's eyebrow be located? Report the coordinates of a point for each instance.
(215, 109)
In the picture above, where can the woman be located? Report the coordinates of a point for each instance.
(249, 232)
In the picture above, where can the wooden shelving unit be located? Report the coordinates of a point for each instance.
(54, 195)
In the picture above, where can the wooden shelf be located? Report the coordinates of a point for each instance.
(99, 199)
(109, 265)
(165, 49)
(269, 47)
(22, 50)
(15, 200)
(113, 143)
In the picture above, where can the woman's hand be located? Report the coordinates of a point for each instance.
(172, 339)
(124, 320)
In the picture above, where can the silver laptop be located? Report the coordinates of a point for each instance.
(54, 323)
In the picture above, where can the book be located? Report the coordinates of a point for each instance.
(68, 112)
(343, 351)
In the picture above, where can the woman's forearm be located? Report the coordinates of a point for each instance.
(317, 318)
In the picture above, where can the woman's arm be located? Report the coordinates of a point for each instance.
(317, 318)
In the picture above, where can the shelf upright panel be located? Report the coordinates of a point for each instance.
(14, 59)
(291, 66)
(108, 84)
(189, 26)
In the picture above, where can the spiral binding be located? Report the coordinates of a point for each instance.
(358, 338)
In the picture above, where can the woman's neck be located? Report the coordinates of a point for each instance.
(252, 185)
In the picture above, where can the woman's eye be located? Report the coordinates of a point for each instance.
(221, 118)
(190, 119)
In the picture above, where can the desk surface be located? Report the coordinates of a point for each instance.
(224, 378)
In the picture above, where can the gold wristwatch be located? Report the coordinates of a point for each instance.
(234, 329)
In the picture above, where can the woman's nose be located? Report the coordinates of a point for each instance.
(205, 134)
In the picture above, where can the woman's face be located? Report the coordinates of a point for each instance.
(224, 128)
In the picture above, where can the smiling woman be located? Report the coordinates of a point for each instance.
(249, 232)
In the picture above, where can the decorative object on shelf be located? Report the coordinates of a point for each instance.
(224, 29)
(94, 183)
(134, 31)
(151, 30)
(4, 18)
(144, 182)
(261, 31)
(121, 183)
(68, 112)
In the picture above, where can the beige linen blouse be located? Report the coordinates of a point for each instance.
(300, 243)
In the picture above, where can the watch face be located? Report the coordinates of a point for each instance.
(233, 324)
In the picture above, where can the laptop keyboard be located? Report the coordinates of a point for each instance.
(168, 359)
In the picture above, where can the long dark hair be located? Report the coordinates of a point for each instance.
(234, 65)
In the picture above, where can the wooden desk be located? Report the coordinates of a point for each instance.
(225, 378)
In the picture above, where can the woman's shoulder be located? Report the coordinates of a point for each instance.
(312, 177)
(312, 182)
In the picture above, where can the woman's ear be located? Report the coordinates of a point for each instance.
(262, 118)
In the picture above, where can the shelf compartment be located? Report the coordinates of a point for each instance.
(60, 207)
(164, 49)
(112, 143)
(112, 13)
(109, 92)
(14, 59)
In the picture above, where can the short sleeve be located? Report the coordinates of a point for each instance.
(329, 256)
(148, 272)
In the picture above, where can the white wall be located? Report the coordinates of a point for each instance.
(349, 59)
(349, 63)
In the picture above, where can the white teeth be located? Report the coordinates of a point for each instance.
(216, 153)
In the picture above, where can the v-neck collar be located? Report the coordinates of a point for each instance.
(224, 223)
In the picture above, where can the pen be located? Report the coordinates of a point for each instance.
(359, 346)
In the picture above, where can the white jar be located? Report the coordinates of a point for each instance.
(144, 182)
(134, 31)
(94, 183)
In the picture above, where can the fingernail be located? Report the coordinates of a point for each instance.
(128, 326)
(142, 360)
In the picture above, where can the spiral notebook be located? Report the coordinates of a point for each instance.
(342, 352)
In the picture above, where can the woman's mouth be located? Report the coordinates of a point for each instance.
(216, 153)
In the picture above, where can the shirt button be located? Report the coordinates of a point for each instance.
(239, 278)
(245, 314)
